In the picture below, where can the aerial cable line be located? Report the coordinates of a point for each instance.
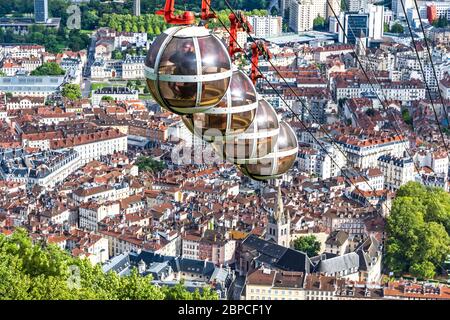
(333, 141)
(365, 74)
(385, 108)
(432, 64)
(309, 111)
(300, 120)
(424, 79)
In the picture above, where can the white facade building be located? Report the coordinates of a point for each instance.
(133, 67)
(364, 153)
(93, 146)
(92, 213)
(397, 171)
(303, 12)
(117, 93)
(266, 26)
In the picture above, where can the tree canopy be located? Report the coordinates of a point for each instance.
(418, 230)
(319, 23)
(45, 272)
(71, 91)
(397, 28)
(149, 164)
(308, 244)
(441, 22)
(48, 69)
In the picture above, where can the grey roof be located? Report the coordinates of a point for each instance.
(369, 252)
(337, 238)
(339, 263)
(134, 59)
(159, 266)
(399, 162)
(31, 83)
(220, 275)
(119, 264)
(270, 249)
(269, 253)
(115, 90)
(17, 163)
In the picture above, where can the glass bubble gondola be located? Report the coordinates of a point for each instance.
(188, 69)
(279, 161)
(232, 116)
(256, 142)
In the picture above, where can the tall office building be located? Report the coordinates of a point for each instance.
(397, 7)
(284, 7)
(40, 11)
(376, 21)
(367, 25)
(355, 5)
(303, 12)
(356, 26)
(137, 8)
(266, 26)
(333, 8)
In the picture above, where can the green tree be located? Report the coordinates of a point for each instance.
(397, 28)
(424, 270)
(117, 54)
(418, 230)
(407, 117)
(319, 23)
(149, 164)
(71, 91)
(308, 244)
(386, 27)
(130, 84)
(441, 22)
(107, 98)
(48, 69)
(42, 271)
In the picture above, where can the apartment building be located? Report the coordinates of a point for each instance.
(91, 213)
(397, 171)
(363, 152)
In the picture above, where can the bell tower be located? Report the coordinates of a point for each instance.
(279, 223)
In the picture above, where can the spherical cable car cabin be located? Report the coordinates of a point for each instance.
(188, 69)
(257, 141)
(232, 116)
(279, 161)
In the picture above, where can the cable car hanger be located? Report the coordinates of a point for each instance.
(187, 17)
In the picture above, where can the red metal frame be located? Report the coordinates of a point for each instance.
(259, 48)
(238, 21)
(187, 17)
(205, 15)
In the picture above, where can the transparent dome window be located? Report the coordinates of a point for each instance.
(277, 162)
(242, 120)
(179, 58)
(286, 139)
(242, 90)
(213, 91)
(179, 94)
(266, 116)
(154, 50)
(213, 60)
(152, 87)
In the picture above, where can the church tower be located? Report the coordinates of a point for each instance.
(279, 224)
